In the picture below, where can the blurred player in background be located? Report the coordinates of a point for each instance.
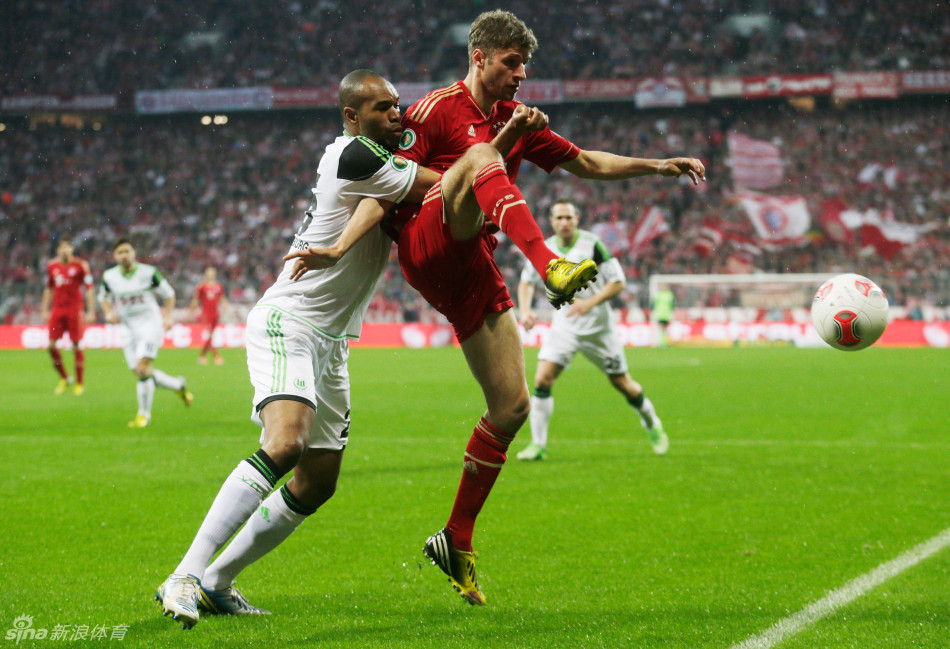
(662, 313)
(297, 349)
(128, 295)
(586, 327)
(446, 252)
(68, 283)
(209, 294)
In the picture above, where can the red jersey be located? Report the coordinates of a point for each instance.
(209, 296)
(442, 126)
(67, 281)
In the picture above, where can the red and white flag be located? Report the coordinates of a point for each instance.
(613, 234)
(755, 164)
(832, 223)
(652, 224)
(780, 220)
(708, 238)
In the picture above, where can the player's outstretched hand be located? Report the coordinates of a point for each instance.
(678, 166)
(312, 259)
(528, 320)
(527, 119)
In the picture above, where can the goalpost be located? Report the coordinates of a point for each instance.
(743, 297)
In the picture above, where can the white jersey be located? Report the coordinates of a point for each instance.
(586, 246)
(334, 300)
(135, 295)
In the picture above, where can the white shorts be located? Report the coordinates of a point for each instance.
(603, 350)
(142, 340)
(289, 359)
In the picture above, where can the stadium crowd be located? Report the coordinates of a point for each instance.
(232, 196)
(75, 47)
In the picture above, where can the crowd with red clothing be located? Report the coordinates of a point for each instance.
(229, 197)
(81, 47)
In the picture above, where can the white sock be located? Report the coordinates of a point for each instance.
(541, 410)
(265, 530)
(145, 391)
(239, 496)
(165, 381)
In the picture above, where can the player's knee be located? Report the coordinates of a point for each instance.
(483, 154)
(544, 383)
(286, 448)
(520, 408)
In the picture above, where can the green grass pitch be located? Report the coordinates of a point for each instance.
(790, 473)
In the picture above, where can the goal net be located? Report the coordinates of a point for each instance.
(740, 309)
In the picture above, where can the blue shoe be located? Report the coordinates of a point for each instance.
(227, 601)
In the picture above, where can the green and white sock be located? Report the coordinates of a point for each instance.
(542, 407)
(240, 495)
(276, 519)
(145, 391)
(165, 381)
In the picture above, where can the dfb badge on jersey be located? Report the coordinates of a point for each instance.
(407, 140)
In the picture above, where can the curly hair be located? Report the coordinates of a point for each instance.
(497, 30)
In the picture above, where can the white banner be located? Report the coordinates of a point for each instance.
(755, 164)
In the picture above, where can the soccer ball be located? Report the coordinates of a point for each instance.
(850, 312)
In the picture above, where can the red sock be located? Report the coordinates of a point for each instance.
(58, 362)
(503, 203)
(207, 347)
(80, 363)
(484, 457)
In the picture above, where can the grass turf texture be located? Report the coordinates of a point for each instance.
(790, 473)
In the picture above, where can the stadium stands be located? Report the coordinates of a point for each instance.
(231, 195)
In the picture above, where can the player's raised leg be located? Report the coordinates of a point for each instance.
(478, 183)
(496, 360)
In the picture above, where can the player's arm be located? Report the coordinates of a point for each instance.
(523, 120)
(422, 183)
(608, 291)
(601, 165)
(90, 293)
(525, 300)
(368, 215)
(169, 306)
(227, 305)
(193, 305)
(165, 291)
(105, 302)
(44, 305)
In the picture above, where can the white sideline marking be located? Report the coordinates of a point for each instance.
(844, 595)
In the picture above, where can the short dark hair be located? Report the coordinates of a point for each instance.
(118, 242)
(497, 30)
(565, 201)
(352, 93)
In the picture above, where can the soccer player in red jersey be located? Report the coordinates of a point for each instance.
(68, 280)
(446, 250)
(209, 294)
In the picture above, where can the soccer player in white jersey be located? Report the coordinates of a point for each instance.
(129, 295)
(586, 327)
(297, 348)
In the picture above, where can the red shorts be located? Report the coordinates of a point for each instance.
(459, 278)
(209, 320)
(61, 322)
